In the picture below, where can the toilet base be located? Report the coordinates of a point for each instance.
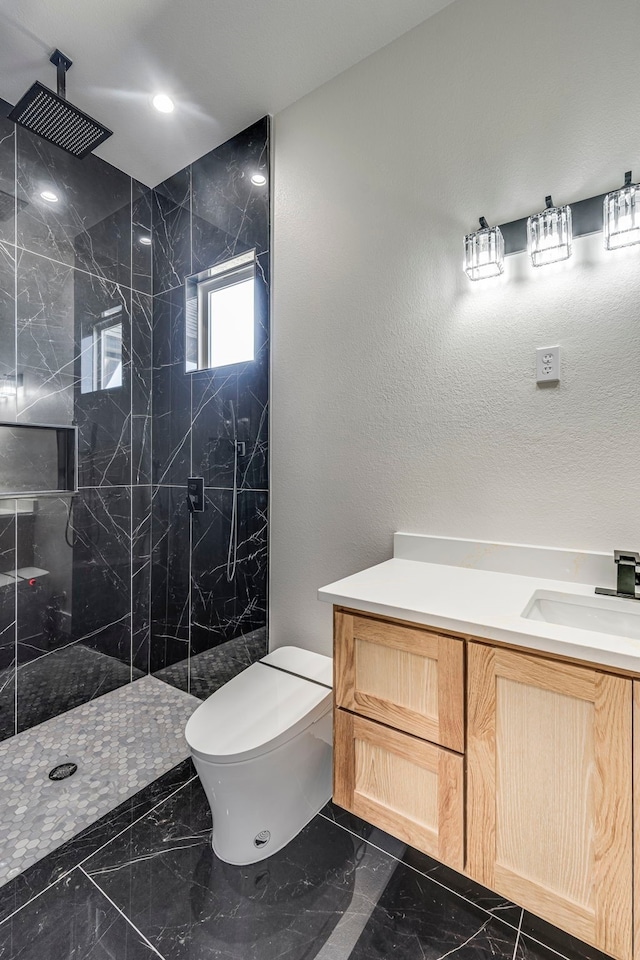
(260, 805)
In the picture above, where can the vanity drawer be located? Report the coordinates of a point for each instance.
(409, 678)
(406, 786)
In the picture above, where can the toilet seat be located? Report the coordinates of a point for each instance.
(262, 708)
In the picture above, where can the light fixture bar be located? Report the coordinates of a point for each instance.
(586, 215)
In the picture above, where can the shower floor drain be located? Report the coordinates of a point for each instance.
(62, 771)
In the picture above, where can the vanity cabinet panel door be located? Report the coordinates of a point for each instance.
(406, 677)
(549, 791)
(408, 787)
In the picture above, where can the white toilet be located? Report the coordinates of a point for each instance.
(262, 746)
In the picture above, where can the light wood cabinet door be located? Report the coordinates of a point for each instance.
(406, 786)
(549, 791)
(406, 677)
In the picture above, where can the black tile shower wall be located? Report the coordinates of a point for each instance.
(202, 216)
(77, 621)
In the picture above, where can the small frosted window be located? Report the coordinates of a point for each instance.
(231, 323)
(220, 314)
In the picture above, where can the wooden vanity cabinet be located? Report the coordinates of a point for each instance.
(549, 791)
(409, 787)
(540, 806)
(407, 677)
(400, 708)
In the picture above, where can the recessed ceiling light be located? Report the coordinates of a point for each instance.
(145, 239)
(163, 103)
(258, 179)
(49, 196)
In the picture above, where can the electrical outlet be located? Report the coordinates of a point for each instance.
(547, 364)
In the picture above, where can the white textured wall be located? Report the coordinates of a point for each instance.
(404, 396)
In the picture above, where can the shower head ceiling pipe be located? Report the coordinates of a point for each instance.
(53, 118)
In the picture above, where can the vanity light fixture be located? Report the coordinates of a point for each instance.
(484, 252)
(549, 234)
(49, 196)
(621, 215)
(163, 103)
(258, 179)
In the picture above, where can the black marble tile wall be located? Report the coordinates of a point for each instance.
(92, 334)
(75, 572)
(205, 594)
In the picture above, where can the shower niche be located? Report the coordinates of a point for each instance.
(37, 460)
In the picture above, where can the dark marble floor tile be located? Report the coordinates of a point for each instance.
(537, 932)
(62, 680)
(71, 920)
(456, 882)
(49, 870)
(415, 919)
(190, 904)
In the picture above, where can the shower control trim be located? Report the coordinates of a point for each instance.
(195, 494)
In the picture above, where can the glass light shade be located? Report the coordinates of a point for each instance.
(621, 215)
(484, 253)
(549, 235)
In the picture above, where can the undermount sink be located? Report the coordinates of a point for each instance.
(601, 614)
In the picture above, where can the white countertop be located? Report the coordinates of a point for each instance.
(485, 603)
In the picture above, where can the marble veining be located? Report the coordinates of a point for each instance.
(127, 583)
(341, 890)
(65, 268)
(203, 215)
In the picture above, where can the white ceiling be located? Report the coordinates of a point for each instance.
(226, 63)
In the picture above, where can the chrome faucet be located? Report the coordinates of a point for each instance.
(628, 564)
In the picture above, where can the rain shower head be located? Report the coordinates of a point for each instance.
(52, 117)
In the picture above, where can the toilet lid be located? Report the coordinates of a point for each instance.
(304, 663)
(253, 713)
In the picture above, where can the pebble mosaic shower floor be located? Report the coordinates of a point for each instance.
(120, 742)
